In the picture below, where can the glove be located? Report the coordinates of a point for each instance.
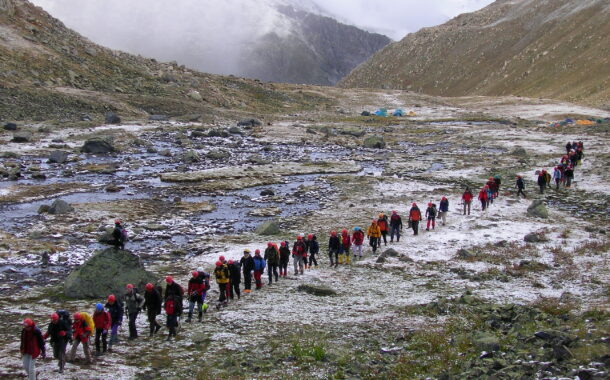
(61, 333)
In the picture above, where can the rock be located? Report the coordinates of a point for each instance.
(267, 211)
(165, 153)
(267, 192)
(39, 176)
(466, 254)
(112, 118)
(91, 51)
(501, 243)
(218, 133)
(236, 131)
(390, 252)
(486, 342)
(106, 237)
(535, 237)
(60, 207)
(195, 95)
(374, 142)
(356, 132)
(155, 227)
(218, 154)
(107, 272)
(97, 145)
(405, 259)
(316, 290)
(10, 127)
(22, 137)
(113, 188)
(538, 209)
(268, 228)
(519, 152)
(43, 209)
(158, 118)
(381, 259)
(190, 157)
(58, 157)
(250, 123)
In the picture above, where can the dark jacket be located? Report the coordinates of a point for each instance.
(396, 221)
(299, 248)
(32, 342)
(284, 254)
(520, 183)
(272, 256)
(175, 290)
(117, 234)
(444, 206)
(431, 212)
(314, 246)
(247, 264)
(541, 180)
(235, 273)
(153, 302)
(116, 312)
(59, 331)
(334, 243)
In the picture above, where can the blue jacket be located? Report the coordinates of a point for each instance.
(444, 206)
(259, 263)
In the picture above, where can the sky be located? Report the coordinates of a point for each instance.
(209, 34)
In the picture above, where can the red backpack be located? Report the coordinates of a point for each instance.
(169, 307)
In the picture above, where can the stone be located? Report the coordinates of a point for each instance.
(535, 237)
(356, 132)
(538, 210)
(519, 152)
(60, 207)
(107, 272)
(390, 252)
(190, 157)
(405, 259)
(266, 211)
(250, 123)
(10, 127)
(112, 118)
(466, 254)
(486, 342)
(236, 131)
(195, 95)
(218, 155)
(97, 145)
(165, 153)
(374, 142)
(113, 188)
(22, 137)
(267, 192)
(91, 51)
(316, 290)
(106, 237)
(43, 209)
(381, 259)
(268, 228)
(218, 133)
(58, 157)
(39, 176)
(158, 118)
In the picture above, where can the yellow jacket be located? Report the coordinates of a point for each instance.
(373, 231)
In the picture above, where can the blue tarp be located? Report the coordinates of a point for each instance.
(398, 112)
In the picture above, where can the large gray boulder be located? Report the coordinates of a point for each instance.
(112, 118)
(107, 272)
(268, 228)
(60, 207)
(374, 142)
(58, 157)
(538, 210)
(22, 137)
(97, 145)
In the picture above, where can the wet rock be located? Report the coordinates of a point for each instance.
(267, 211)
(316, 290)
(155, 227)
(10, 127)
(113, 188)
(519, 152)
(97, 145)
(236, 131)
(267, 192)
(43, 209)
(106, 237)
(381, 259)
(405, 259)
(195, 95)
(39, 176)
(374, 142)
(158, 118)
(112, 118)
(58, 157)
(501, 243)
(190, 157)
(535, 237)
(218, 133)
(390, 252)
(165, 153)
(258, 159)
(60, 207)
(356, 132)
(538, 210)
(107, 272)
(218, 155)
(22, 137)
(250, 123)
(466, 254)
(486, 342)
(196, 134)
(268, 228)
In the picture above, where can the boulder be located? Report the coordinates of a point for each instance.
(60, 207)
(356, 132)
(158, 118)
(10, 127)
(519, 152)
(466, 254)
(268, 228)
(267, 192)
(381, 259)
(218, 133)
(486, 342)
(538, 210)
(112, 118)
(107, 272)
(106, 237)
(316, 290)
(190, 157)
(113, 188)
(218, 155)
(58, 157)
(195, 95)
(97, 145)
(535, 237)
(390, 252)
(22, 137)
(250, 123)
(374, 142)
(236, 131)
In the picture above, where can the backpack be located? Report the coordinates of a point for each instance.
(64, 315)
(206, 282)
(88, 320)
(169, 306)
(124, 235)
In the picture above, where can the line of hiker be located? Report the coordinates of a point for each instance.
(563, 172)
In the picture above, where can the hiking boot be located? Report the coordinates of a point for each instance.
(157, 328)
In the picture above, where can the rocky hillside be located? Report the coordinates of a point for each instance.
(317, 50)
(540, 48)
(51, 72)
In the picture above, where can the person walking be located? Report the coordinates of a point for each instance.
(60, 332)
(334, 246)
(171, 313)
(285, 259)
(152, 305)
(103, 323)
(414, 218)
(374, 235)
(259, 268)
(115, 308)
(272, 257)
(557, 177)
(195, 290)
(133, 305)
(176, 292)
(431, 216)
(346, 244)
(384, 227)
(299, 251)
(467, 200)
(32, 346)
(247, 266)
(234, 279)
(81, 331)
(119, 235)
(395, 227)
(541, 181)
(358, 241)
(520, 186)
(443, 209)
(221, 273)
(314, 249)
(483, 198)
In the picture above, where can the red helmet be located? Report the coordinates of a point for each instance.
(149, 287)
(129, 286)
(310, 236)
(333, 233)
(344, 231)
(491, 178)
(219, 263)
(374, 221)
(231, 262)
(299, 237)
(257, 252)
(394, 212)
(269, 244)
(118, 221)
(195, 273)
(429, 204)
(414, 204)
(283, 244)
(111, 298)
(28, 322)
(77, 316)
(444, 198)
(55, 317)
(222, 258)
(169, 279)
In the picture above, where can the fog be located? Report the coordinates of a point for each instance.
(209, 34)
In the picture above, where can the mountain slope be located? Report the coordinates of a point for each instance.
(541, 48)
(50, 72)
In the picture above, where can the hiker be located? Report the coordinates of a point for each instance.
(314, 249)
(272, 257)
(60, 332)
(358, 241)
(205, 279)
(579, 155)
(467, 200)
(115, 308)
(285, 258)
(195, 290)
(171, 312)
(498, 182)
(259, 268)
(431, 215)
(119, 235)
(221, 273)
(384, 227)
(491, 190)
(483, 198)
(541, 181)
(234, 279)
(521, 186)
(547, 178)
(334, 246)
(81, 331)
(299, 251)
(557, 177)
(32, 346)
(568, 147)
(152, 305)
(306, 241)
(443, 209)
(133, 305)
(174, 290)
(247, 266)
(102, 322)
(414, 218)
(346, 243)
(374, 235)
(569, 173)
(395, 227)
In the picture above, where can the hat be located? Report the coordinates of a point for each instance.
(429, 204)
(55, 317)
(118, 221)
(230, 262)
(219, 263)
(195, 273)
(28, 322)
(414, 204)
(283, 244)
(169, 279)
(333, 233)
(344, 231)
(257, 252)
(394, 212)
(299, 237)
(310, 236)
(356, 228)
(129, 286)
(221, 258)
(111, 298)
(149, 286)
(77, 316)
(200, 269)
(247, 251)
(444, 198)
(99, 307)
(269, 244)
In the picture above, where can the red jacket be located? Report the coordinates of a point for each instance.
(102, 320)
(31, 342)
(358, 237)
(483, 195)
(414, 214)
(467, 197)
(383, 224)
(346, 242)
(81, 330)
(196, 286)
